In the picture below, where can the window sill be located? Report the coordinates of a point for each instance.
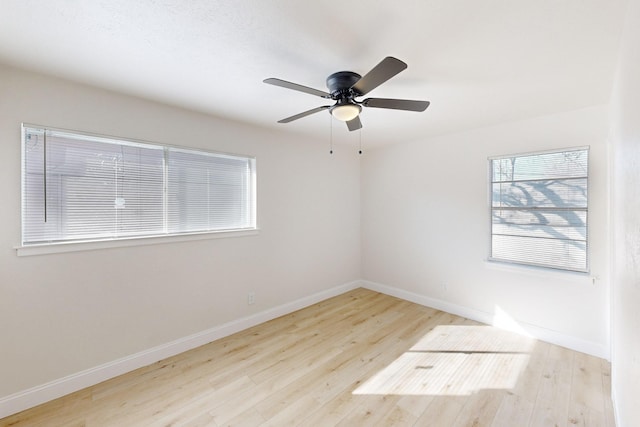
(52, 248)
(542, 272)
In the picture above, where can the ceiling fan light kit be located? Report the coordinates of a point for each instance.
(345, 86)
(345, 111)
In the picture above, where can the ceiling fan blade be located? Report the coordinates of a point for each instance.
(304, 114)
(354, 124)
(396, 104)
(382, 72)
(295, 86)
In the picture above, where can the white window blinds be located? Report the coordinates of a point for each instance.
(208, 192)
(80, 187)
(539, 208)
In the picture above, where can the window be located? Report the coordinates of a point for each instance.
(539, 209)
(78, 187)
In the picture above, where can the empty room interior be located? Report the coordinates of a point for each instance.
(269, 213)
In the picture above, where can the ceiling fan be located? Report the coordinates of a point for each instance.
(345, 86)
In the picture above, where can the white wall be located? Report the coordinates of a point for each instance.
(425, 224)
(625, 124)
(63, 313)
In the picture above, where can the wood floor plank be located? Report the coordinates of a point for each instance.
(332, 412)
(606, 391)
(249, 418)
(513, 407)
(529, 381)
(371, 412)
(397, 417)
(552, 401)
(586, 389)
(584, 416)
(357, 359)
(480, 409)
(291, 412)
(415, 404)
(442, 411)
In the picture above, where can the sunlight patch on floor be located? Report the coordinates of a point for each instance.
(454, 360)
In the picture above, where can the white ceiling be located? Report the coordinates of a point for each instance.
(478, 62)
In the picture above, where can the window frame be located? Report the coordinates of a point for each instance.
(587, 211)
(67, 245)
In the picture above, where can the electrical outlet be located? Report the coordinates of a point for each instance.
(251, 298)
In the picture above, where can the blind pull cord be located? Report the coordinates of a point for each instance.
(44, 175)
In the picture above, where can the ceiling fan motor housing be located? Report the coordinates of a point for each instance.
(340, 84)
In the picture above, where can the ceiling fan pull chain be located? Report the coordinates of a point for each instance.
(330, 134)
(360, 135)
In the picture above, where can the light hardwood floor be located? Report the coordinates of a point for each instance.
(359, 359)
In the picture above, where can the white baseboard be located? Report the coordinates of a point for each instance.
(34, 396)
(537, 332)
